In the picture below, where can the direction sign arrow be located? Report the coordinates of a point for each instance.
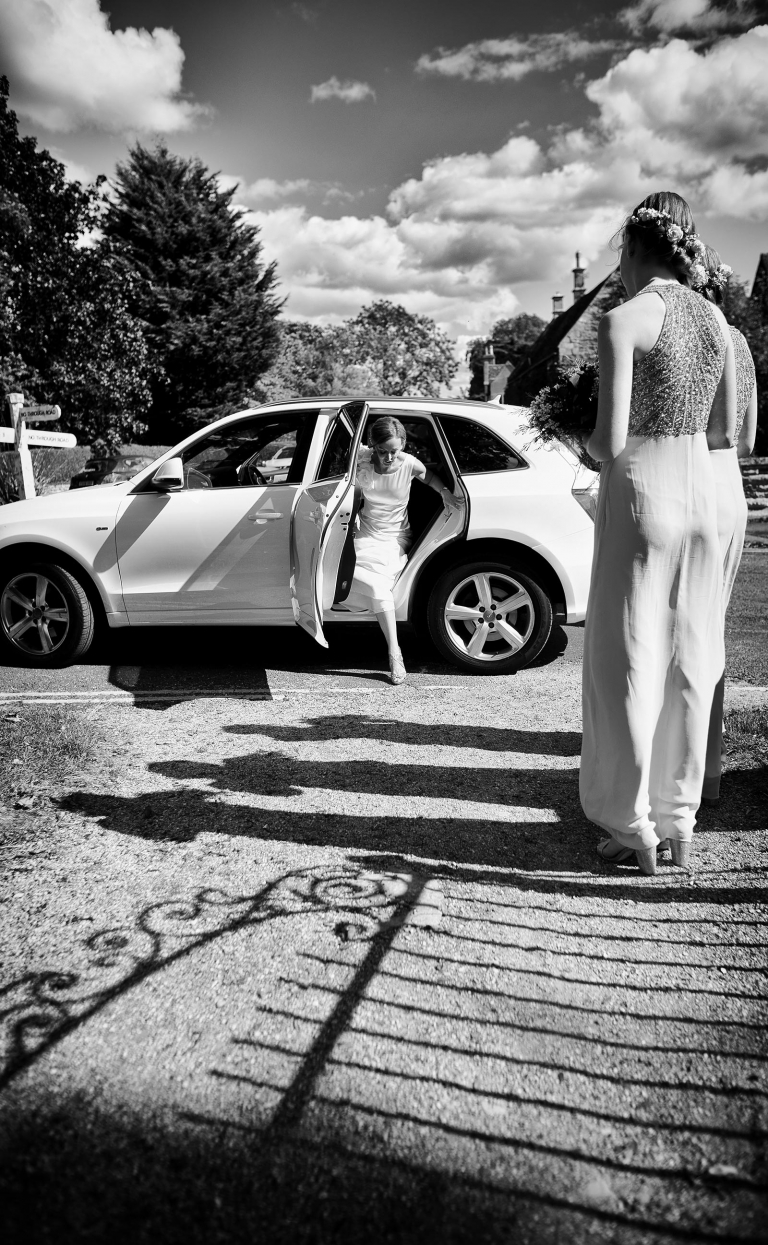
(66, 440)
(40, 413)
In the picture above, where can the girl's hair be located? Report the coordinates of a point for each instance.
(712, 263)
(718, 274)
(384, 428)
(664, 228)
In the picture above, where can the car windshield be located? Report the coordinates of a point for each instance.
(132, 464)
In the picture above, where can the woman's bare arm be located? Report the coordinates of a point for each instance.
(615, 348)
(721, 427)
(748, 430)
(433, 481)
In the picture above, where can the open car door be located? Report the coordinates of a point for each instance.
(321, 517)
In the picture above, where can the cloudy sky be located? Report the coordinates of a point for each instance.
(450, 156)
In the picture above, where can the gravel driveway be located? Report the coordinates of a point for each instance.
(344, 967)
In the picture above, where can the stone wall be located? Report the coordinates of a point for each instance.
(580, 342)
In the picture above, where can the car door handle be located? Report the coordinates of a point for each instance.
(263, 516)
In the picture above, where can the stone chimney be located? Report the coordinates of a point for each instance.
(578, 279)
(557, 305)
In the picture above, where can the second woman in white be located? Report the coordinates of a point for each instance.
(731, 503)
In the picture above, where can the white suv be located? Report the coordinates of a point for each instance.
(202, 536)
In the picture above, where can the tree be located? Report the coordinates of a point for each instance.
(303, 366)
(749, 316)
(398, 353)
(66, 333)
(202, 291)
(511, 339)
(382, 350)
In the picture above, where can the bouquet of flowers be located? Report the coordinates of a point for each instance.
(566, 410)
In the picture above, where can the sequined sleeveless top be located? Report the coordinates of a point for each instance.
(745, 375)
(674, 385)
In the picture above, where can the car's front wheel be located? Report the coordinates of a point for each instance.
(488, 617)
(46, 618)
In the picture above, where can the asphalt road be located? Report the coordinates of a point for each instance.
(133, 666)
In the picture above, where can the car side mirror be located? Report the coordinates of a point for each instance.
(170, 476)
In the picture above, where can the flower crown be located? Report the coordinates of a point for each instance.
(683, 240)
(717, 278)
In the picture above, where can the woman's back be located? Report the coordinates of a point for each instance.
(674, 384)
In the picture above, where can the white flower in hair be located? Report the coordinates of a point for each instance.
(698, 276)
(674, 233)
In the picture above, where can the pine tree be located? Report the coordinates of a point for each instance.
(66, 334)
(202, 290)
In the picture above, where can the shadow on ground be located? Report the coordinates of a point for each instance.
(509, 1118)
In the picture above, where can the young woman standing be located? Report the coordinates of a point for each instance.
(654, 640)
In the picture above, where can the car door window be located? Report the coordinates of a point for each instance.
(421, 439)
(263, 449)
(335, 456)
(476, 449)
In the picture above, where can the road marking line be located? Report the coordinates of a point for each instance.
(136, 698)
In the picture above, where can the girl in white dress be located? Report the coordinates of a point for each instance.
(653, 643)
(382, 541)
(731, 504)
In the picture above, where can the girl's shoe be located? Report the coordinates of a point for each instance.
(647, 860)
(396, 668)
(613, 852)
(681, 853)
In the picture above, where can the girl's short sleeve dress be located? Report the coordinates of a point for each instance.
(384, 535)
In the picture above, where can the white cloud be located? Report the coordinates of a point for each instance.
(265, 189)
(689, 111)
(69, 70)
(458, 239)
(495, 60)
(699, 16)
(349, 92)
(331, 268)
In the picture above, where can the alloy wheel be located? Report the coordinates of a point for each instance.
(34, 613)
(489, 616)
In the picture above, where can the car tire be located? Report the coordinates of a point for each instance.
(468, 628)
(46, 618)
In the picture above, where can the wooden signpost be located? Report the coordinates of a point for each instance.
(22, 437)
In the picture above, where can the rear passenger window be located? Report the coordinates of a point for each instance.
(477, 449)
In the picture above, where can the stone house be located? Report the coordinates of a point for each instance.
(570, 336)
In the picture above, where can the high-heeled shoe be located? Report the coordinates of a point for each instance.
(681, 853)
(646, 861)
(396, 668)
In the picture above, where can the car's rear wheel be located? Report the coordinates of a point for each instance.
(46, 618)
(489, 617)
